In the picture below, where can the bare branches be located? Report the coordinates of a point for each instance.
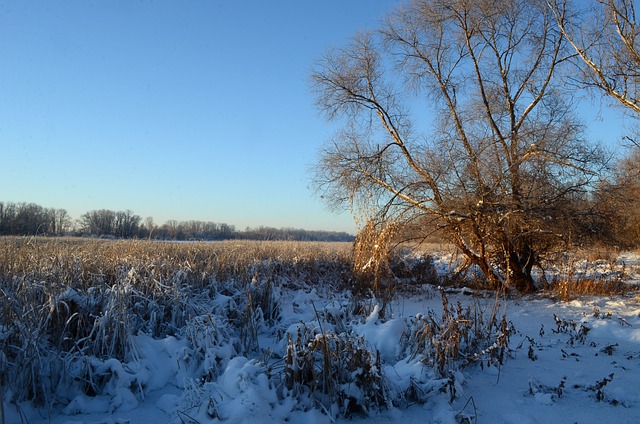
(606, 42)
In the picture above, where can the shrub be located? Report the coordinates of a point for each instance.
(460, 336)
(336, 369)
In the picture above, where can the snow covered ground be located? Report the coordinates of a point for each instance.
(567, 362)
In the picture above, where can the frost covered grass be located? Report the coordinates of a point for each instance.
(594, 272)
(80, 318)
(139, 331)
(91, 262)
(67, 303)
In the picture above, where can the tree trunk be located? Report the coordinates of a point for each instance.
(520, 265)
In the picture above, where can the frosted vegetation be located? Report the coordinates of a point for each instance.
(129, 331)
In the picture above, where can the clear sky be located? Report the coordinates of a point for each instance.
(173, 109)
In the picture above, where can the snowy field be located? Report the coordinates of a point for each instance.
(546, 362)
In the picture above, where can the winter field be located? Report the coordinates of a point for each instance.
(96, 331)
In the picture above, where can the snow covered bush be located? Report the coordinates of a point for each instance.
(334, 369)
(460, 336)
(212, 344)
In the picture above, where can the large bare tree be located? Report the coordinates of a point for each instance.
(453, 116)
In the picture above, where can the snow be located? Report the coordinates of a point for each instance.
(383, 336)
(576, 362)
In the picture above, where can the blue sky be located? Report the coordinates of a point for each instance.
(176, 110)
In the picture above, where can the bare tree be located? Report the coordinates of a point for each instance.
(453, 115)
(173, 230)
(150, 226)
(98, 222)
(127, 224)
(8, 213)
(60, 221)
(32, 219)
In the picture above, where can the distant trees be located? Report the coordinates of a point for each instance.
(61, 222)
(194, 230)
(618, 203)
(98, 222)
(200, 230)
(105, 222)
(294, 234)
(489, 149)
(33, 219)
(127, 224)
(149, 226)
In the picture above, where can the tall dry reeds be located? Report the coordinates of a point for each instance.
(65, 299)
(590, 272)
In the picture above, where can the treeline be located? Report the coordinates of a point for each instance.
(270, 233)
(33, 219)
(199, 230)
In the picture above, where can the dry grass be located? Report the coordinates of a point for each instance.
(87, 262)
(598, 253)
(570, 289)
(332, 368)
(473, 334)
(65, 299)
(594, 271)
